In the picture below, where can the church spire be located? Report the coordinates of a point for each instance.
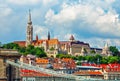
(36, 37)
(29, 18)
(48, 35)
(29, 33)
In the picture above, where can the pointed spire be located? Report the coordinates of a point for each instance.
(36, 37)
(29, 35)
(105, 50)
(106, 45)
(29, 18)
(72, 38)
(48, 35)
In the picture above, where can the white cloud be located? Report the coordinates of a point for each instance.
(91, 18)
(95, 17)
(41, 31)
(23, 2)
(110, 1)
(100, 42)
(87, 20)
(33, 2)
(46, 2)
(5, 10)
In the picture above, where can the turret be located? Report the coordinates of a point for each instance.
(72, 38)
(36, 37)
(105, 50)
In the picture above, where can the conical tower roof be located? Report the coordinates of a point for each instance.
(106, 45)
(72, 38)
(29, 18)
(36, 37)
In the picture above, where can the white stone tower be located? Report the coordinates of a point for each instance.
(29, 32)
(106, 51)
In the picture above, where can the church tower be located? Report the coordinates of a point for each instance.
(106, 51)
(29, 33)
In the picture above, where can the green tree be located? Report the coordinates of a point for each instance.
(79, 63)
(52, 48)
(30, 50)
(90, 58)
(113, 59)
(92, 52)
(0, 44)
(97, 58)
(114, 50)
(104, 61)
(80, 58)
(74, 57)
(11, 46)
(63, 56)
(22, 50)
(39, 52)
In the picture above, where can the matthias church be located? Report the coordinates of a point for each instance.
(54, 46)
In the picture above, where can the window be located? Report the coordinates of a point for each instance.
(4, 60)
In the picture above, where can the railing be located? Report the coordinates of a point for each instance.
(43, 70)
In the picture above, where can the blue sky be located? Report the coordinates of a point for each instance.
(92, 21)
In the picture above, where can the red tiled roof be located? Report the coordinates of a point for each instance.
(95, 73)
(88, 73)
(106, 67)
(20, 43)
(30, 73)
(64, 63)
(41, 60)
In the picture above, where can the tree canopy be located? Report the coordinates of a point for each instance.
(97, 59)
(114, 50)
(38, 51)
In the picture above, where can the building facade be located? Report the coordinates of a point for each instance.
(54, 46)
(74, 47)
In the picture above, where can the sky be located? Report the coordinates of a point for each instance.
(92, 21)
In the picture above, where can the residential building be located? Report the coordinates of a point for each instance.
(65, 65)
(89, 72)
(109, 71)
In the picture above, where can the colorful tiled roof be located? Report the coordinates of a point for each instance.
(42, 61)
(20, 43)
(88, 73)
(30, 73)
(64, 63)
(107, 67)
